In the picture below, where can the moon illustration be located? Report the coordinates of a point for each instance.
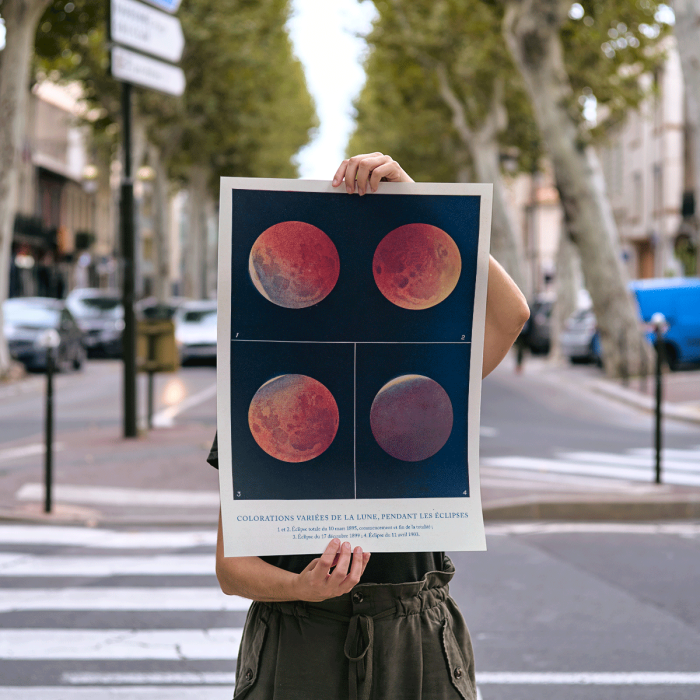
(294, 418)
(294, 264)
(411, 417)
(417, 266)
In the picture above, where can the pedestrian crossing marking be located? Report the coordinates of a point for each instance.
(682, 468)
(115, 496)
(114, 693)
(119, 599)
(545, 678)
(88, 644)
(203, 678)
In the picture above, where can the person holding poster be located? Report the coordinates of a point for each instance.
(344, 625)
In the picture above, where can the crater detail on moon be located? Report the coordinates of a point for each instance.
(417, 266)
(294, 264)
(411, 417)
(293, 418)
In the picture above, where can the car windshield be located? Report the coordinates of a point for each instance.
(31, 316)
(97, 306)
(203, 316)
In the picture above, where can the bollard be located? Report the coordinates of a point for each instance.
(624, 360)
(49, 340)
(658, 321)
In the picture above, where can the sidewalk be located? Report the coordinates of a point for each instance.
(162, 479)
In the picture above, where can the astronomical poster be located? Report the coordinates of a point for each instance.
(350, 341)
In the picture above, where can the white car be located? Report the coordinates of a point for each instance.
(195, 331)
(577, 340)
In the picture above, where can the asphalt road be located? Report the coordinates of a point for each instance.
(575, 612)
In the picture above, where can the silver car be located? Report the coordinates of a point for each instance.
(577, 339)
(195, 331)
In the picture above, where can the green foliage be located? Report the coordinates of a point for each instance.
(246, 110)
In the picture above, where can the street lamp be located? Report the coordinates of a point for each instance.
(49, 340)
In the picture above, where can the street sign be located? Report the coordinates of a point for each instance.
(134, 68)
(167, 5)
(146, 29)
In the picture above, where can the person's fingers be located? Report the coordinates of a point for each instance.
(353, 577)
(365, 561)
(352, 167)
(341, 569)
(312, 564)
(340, 173)
(390, 171)
(366, 169)
(327, 558)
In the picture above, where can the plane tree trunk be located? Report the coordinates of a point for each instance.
(532, 32)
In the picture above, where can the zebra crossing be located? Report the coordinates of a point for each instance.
(680, 467)
(89, 613)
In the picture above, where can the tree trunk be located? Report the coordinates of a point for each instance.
(161, 224)
(21, 17)
(482, 143)
(195, 283)
(567, 284)
(531, 29)
(687, 31)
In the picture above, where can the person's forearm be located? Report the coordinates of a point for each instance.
(251, 577)
(506, 314)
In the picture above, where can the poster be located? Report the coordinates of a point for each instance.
(350, 340)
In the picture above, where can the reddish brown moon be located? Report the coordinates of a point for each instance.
(411, 417)
(294, 418)
(294, 264)
(417, 266)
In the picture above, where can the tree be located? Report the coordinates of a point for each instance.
(549, 52)
(687, 30)
(21, 17)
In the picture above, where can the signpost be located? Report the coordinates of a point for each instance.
(142, 28)
(154, 35)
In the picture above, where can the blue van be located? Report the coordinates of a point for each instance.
(678, 299)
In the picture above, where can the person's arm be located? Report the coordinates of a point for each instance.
(251, 577)
(506, 314)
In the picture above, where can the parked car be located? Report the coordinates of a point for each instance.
(26, 320)
(152, 308)
(677, 298)
(195, 331)
(538, 329)
(577, 340)
(100, 315)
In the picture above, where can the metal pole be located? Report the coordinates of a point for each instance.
(128, 247)
(150, 400)
(48, 417)
(657, 436)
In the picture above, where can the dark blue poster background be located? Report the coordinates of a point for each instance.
(354, 342)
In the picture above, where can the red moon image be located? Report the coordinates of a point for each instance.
(294, 418)
(411, 417)
(294, 264)
(417, 266)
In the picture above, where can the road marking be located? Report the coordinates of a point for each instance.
(127, 693)
(692, 455)
(544, 528)
(108, 495)
(204, 678)
(152, 599)
(643, 678)
(642, 461)
(165, 418)
(172, 644)
(522, 479)
(27, 451)
(12, 564)
(486, 431)
(105, 539)
(571, 467)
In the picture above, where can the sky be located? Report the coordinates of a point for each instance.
(324, 34)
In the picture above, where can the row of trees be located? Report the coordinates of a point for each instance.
(452, 85)
(246, 110)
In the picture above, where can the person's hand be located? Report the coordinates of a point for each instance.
(317, 582)
(368, 170)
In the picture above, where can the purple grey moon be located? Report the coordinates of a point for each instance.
(411, 417)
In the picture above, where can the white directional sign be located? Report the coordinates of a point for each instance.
(146, 29)
(134, 68)
(167, 5)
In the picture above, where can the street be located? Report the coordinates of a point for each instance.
(556, 610)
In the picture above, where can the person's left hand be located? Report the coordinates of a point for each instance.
(368, 170)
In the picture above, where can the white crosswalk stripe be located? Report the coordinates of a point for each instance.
(679, 467)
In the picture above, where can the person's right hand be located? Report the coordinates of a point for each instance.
(317, 582)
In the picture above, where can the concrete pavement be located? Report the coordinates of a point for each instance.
(161, 478)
